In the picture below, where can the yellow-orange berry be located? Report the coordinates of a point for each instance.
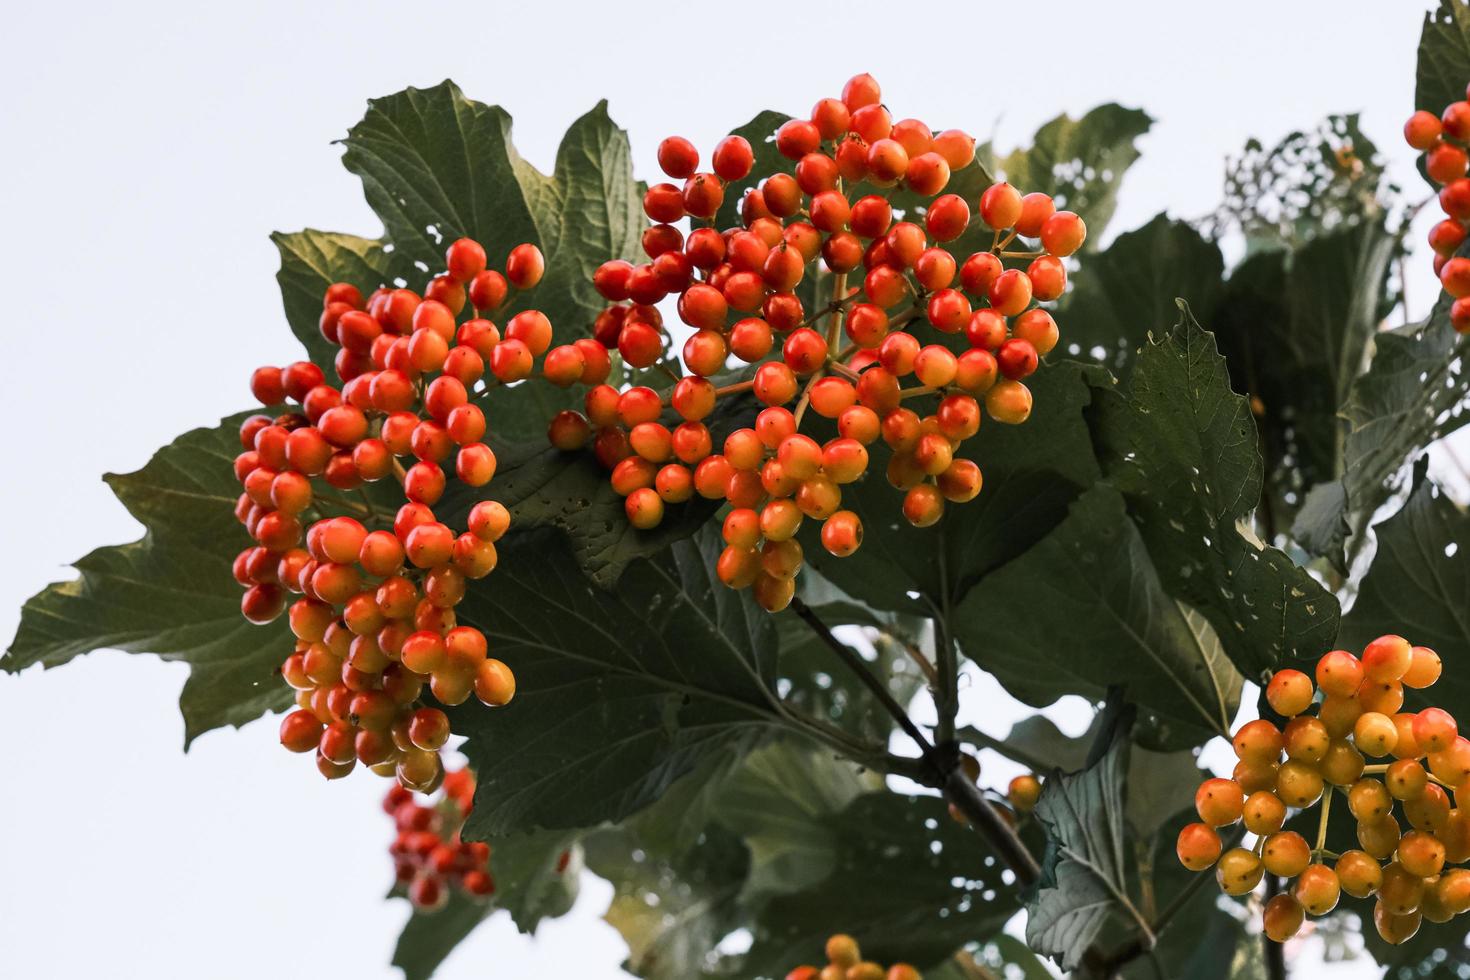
(1264, 813)
(1219, 802)
(1298, 784)
(1198, 846)
(1286, 854)
(1282, 918)
(1387, 658)
(1238, 871)
(1290, 692)
(1358, 874)
(1318, 889)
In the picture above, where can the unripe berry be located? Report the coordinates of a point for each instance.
(1424, 668)
(1000, 206)
(1282, 918)
(1023, 792)
(1238, 871)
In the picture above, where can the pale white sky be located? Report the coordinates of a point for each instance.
(150, 150)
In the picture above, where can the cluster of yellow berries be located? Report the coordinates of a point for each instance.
(845, 962)
(1359, 715)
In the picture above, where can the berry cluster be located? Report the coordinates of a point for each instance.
(375, 620)
(846, 361)
(1359, 715)
(845, 962)
(1444, 141)
(428, 856)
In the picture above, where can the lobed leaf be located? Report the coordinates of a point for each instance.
(171, 592)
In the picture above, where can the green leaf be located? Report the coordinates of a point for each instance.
(1410, 396)
(814, 680)
(777, 803)
(530, 882)
(1181, 446)
(1109, 621)
(427, 939)
(1032, 472)
(620, 692)
(1418, 587)
(1132, 287)
(1080, 162)
(1084, 877)
(436, 166)
(171, 592)
(910, 884)
(1295, 327)
(311, 261)
(1444, 57)
(672, 910)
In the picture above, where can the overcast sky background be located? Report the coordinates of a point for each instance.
(150, 150)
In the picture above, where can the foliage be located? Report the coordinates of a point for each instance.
(1209, 446)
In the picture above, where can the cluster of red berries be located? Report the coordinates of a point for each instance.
(845, 962)
(1444, 140)
(1359, 715)
(846, 361)
(375, 620)
(428, 856)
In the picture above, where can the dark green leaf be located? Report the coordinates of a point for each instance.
(171, 592)
(778, 803)
(1181, 446)
(1410, 396)
(436, 166)
(620, 692)
(1294, 328)
(815, 681)
(427, 940)
(1032, 472)
(530, 881)
(1084, 877)
(910, 884)
(1108, 621)
(311, 261)
(1080, 162)
(1419, 586)
(1132, 287)
(671, 910)
(1444, 57)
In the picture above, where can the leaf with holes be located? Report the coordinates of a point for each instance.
(170, 593)
(1095, 579)
(1181, 446)
(621, 692)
